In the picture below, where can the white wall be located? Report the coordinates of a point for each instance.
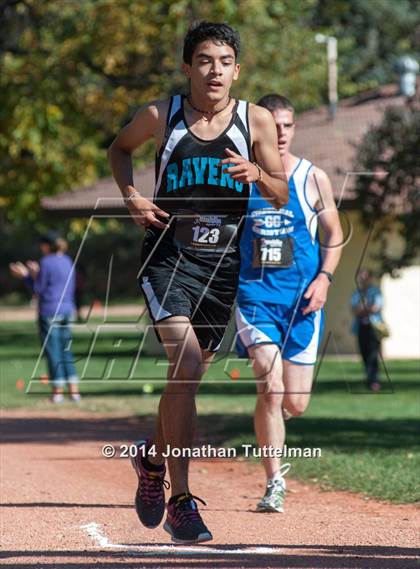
(401, 298)
(402, 313)
(338, 313)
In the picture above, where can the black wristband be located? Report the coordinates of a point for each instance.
(329, 275)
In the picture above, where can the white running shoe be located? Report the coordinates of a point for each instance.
(273, 499)
(57, 398)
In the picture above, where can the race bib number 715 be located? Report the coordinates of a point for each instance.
(274, 252)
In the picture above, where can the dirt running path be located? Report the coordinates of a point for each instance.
(65, 506)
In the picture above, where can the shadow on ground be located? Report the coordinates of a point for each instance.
(349, 434)
(223, 557)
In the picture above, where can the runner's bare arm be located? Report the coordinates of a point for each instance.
(273, 185)
(328, 218)
(321, 197)
(269, 174)
(145, 125)
(148, 122)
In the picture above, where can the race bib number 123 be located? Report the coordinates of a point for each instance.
(205, 232)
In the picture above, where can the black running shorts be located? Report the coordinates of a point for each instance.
(199, 285)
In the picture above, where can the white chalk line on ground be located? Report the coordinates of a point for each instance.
(95, 532)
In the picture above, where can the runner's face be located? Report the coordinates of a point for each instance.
(285, 129)
(212, 71)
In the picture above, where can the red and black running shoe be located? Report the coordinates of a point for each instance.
(150, 495)
(184, 522)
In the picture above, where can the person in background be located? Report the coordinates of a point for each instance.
(366, 304)
(53, 281)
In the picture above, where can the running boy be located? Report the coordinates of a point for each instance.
(205, 146)
(284, 281)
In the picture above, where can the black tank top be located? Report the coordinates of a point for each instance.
(187, 175)
(206, 205)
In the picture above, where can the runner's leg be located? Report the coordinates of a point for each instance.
(268, 417)
(297, 381)
(177, 410)
(207, 358)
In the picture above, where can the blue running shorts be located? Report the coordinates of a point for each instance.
(297, 335)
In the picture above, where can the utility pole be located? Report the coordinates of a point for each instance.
(331, 43)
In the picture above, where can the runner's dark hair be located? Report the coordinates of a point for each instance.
(203, 31)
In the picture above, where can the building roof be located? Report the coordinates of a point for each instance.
(329, 144)
(102, 197)
(332, 144)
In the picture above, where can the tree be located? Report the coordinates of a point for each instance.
(389, 201)
(72, 73)
(371, 35)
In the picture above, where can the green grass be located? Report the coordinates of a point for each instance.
(369, 442)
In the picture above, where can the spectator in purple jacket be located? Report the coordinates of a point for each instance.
(53, 282)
